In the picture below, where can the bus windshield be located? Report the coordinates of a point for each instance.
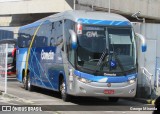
(106, 49)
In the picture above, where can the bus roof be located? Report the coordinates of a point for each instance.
(96, 15)
(85, 17)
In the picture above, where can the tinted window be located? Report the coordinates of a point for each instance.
(56, 33)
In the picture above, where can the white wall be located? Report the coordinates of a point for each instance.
(148, 8)
(149, 59)
(152, 33)
(33, 6)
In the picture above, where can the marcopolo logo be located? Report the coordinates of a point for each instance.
(131, 78)
(47, 55)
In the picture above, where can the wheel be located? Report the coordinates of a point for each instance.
(113, 99)
(64, 95)
(25, 83)
(30, 87)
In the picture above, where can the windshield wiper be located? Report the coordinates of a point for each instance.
(104, 54)
(119, 62)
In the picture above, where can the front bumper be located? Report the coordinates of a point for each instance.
(96, 89)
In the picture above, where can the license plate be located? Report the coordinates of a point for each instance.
(108, 91)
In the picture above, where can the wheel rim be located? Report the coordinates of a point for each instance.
(29, 84)
(63, 86)
(24, 82)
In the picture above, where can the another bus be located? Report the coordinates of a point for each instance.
(79, 53)
(11, 62)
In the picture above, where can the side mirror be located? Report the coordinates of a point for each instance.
(143, 42)
(73, 39)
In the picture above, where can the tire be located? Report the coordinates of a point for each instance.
(64, 95)
(113, 99)
(29, 86)
(25, 83)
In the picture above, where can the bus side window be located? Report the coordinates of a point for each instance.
(52, 42)
(53, 35)
(41, 38)
(28, 43)
(52, 27)
(23, 44)
(22, 40)
(59, 32)
(56, 34)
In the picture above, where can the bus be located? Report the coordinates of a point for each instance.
(11, 60)
(80, 53)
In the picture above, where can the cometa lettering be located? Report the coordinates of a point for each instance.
(47, 55)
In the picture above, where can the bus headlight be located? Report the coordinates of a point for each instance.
(84, 80)
(132, 81)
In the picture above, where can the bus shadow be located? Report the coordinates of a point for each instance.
(47, 92)
(90, 101)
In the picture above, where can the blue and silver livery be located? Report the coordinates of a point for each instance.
(79, 53)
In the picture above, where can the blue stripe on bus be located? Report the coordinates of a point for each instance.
(84, 21)
(104, 22)
(20, 62)
(110, 79)
(38, 71)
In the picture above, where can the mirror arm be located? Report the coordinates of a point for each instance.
(143, 42)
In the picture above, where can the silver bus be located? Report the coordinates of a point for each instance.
(80, 53)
